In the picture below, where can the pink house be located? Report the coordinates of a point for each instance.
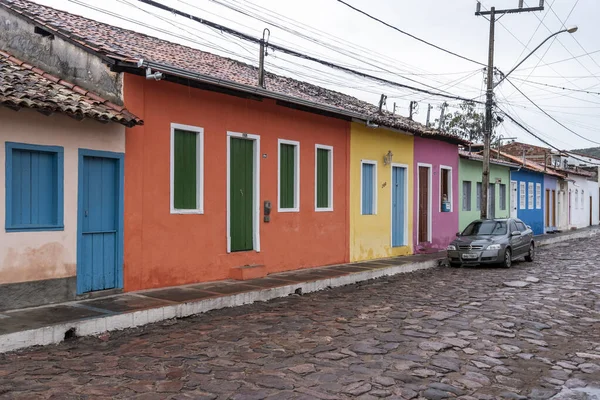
(435, 194)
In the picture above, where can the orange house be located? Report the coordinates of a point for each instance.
(240, 144)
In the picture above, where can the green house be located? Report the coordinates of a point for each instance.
(470, 168)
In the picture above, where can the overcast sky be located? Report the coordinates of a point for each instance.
(330, 30)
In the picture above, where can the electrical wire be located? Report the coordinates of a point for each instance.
(296, 53)
(550, 116)
(557, 87)
(408, 34)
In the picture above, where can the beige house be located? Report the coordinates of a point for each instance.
(61, 155)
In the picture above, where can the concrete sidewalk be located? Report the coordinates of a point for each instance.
(52, 324)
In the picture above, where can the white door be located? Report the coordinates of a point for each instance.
(513, 199)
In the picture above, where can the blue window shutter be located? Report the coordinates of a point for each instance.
(368, 183)
(34, 183)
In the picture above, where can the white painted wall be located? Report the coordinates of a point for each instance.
(580, 213)
(31, 256)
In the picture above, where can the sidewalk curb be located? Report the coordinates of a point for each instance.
(55, 334)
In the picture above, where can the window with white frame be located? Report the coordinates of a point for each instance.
(503, 196)
(576, 199)
(323, 178)
(582, 199)
(530, 195)
(288, 176)
(522, 195)
(466, 196)
(187, 169)
(538, 196)
(478, 197)
(445, 186)
(368, 187)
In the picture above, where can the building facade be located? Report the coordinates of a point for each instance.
(381, 193)
(61, 188)
(529, 197)
(470, 188)
(435, 196)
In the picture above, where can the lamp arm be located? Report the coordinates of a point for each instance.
(529, 55)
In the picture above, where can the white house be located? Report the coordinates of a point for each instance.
(62, 172)
(587, 190)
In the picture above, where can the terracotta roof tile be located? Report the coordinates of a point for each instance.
(22, 85)
(122, 44)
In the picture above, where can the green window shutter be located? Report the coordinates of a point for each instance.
(287, 175)
(186, 168)
(323, 178)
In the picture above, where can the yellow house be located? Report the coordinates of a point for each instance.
(381, 193)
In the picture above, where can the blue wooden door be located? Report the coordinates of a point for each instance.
(98, 259)
(398, 206)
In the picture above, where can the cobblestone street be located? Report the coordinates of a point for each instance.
(442, 333)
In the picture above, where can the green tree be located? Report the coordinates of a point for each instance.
(466, 123)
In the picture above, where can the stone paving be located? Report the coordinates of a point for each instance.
(470, 333)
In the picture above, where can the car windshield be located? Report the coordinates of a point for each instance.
(485, 228)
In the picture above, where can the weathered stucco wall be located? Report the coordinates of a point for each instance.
(33, 256)
(579, 204)
(471, 170)
(370, 235)
(443, 225)
(164, 249)
(58, 57)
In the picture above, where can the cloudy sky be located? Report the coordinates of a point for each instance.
(330, 30)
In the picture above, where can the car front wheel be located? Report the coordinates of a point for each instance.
(531, 255)
(507, 263)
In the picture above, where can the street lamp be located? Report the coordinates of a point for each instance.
(571, 29)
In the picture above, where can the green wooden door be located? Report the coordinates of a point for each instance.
(241, 194)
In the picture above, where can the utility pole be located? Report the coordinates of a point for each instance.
(261, 57)
(444, 105)
(489, 101)
(428, 114)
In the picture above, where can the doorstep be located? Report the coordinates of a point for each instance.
(53, 323)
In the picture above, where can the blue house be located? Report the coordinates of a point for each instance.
(529, 205)
(527, 192)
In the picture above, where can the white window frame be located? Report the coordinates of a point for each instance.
(478, 198)
(256, 206)
(522, 196)
(576, 199)
(199, 168)
(582, 199)
(530, 194)
(374, 163)
(450, 192)
(467, 196)
(296, 145)
(429, 200)
(330, 148)
(538, 196)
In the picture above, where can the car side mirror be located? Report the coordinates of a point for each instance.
(515, 233)
(457, 234)
(528, 227)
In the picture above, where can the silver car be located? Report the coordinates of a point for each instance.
(492, 241)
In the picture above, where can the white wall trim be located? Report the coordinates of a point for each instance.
(429, 200)
(199, 169)
(296, 145)
(451, 192)
(330, 148)
(256, 182)
(406, 177)
(375, 185)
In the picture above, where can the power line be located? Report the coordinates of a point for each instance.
(360, 56)
(557, 87)
(560, 61)
(295, 53)
(540, 139)
(550, 116)
(408, 34)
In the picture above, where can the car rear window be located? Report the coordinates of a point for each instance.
(485, 228)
